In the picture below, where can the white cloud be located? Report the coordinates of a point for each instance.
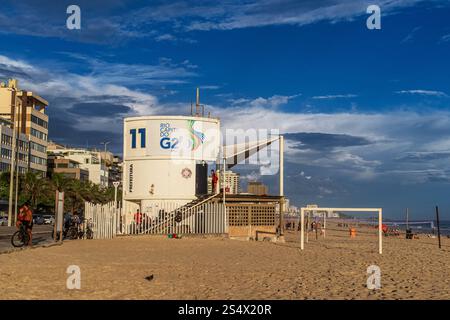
(392, 133)
(335, 96)
(445, 38)
(165, 37)
(411, 35)
(424, 92)
(271, 12)
(106, 83)
(253, 176)
(260, 102)
(184, 16)
(210, 87)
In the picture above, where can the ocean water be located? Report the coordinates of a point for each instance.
(417, 227)
(422, 226)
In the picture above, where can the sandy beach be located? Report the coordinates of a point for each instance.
(221, 268)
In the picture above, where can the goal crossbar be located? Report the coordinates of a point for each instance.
(380, 219)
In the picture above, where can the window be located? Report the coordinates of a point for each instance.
(39, 121)
(38, 147)
(38, 160)
(6, 139)
(23, 157)
(38, 134)
(4, 167)
(6, 153)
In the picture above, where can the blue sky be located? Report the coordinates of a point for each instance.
(365, 112)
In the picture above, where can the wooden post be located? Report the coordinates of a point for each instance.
(56, 208)
(315, 226)
(302, 230)
(249, 221)
(439, 230)
(380, 236)
(307, 227)
(281, 182)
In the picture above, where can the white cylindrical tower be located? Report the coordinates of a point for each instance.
(163, 159)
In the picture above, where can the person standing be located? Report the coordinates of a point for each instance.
(214, 180)
(138, 220)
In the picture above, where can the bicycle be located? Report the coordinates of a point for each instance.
(20, 237)
(89, 232)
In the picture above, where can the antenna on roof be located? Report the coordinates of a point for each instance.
(199, 108)
(197, 104)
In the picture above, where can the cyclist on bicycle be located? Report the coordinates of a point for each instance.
(25, 218)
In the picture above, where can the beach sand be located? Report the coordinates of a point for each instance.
(221, 268)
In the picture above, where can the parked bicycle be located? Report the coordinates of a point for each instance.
(75, 229)
(83, 231)
(89, 232)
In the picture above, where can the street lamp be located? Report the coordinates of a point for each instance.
(116, 184)
(105, 143)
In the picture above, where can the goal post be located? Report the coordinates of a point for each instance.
(380, 219)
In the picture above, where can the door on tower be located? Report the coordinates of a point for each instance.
(201, 179)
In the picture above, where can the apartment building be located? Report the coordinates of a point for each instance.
(232, 182)
(6, 142)
(114, 166)
(27, 110)
(115, 171)
(88, 160)
(257, 188)
(67, 167)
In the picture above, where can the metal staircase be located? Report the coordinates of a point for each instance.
(184, 212)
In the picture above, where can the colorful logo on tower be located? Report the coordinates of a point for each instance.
(184, 139)
(196, 136)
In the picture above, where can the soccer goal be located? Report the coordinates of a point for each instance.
(307, 209)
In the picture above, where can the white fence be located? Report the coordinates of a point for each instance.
(206, 218)
(103, 220)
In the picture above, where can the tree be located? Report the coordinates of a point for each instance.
(59, 182)
(40, 192)
(34, 188)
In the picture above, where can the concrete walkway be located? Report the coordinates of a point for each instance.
(41, 237)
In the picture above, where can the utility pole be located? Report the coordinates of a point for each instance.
(281, 181)
(13, 158)
(223, 179)
(105, 144)
(407, 218)
(17, 158)
(438, 228)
